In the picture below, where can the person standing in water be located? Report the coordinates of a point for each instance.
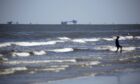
(118, 44)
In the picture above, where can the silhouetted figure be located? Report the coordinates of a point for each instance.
(118, 45)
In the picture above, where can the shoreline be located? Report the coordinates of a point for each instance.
(125, 78)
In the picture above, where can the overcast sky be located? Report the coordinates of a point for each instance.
(84, 11)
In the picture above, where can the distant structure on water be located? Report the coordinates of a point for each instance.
(66, 22)
(10, 22)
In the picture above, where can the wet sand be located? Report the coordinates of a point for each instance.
(125, 78)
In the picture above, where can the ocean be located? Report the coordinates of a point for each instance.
(34, 54)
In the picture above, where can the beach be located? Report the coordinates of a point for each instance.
(125, 78)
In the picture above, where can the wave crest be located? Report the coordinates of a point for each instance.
(62, 50)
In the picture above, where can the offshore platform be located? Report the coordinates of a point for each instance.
(69, 22)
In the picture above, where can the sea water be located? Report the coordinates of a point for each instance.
(34, 53)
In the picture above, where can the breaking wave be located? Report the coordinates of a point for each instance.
(64, 39)
(5, 44)
(137, 37)
(126, 37)
(21, 54)
(113, 48)
(29, 43)
(38, 61)
(26, 54)
(12, 70)
(62, 50)
(84, 40)
(39, 52)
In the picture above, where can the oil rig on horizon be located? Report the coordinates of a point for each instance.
(71, 21)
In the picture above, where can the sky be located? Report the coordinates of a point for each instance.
(84, 11)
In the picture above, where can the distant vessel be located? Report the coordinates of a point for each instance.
(66, 22)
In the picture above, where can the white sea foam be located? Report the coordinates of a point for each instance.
(94, 63)
(64, 66)
(1, 55)
(5, 44)
(39, 52)
(64, 38)
(56, 69)
(129, 48)
(21, 54)
(113, 48)
(84, 40)
(12, 70)
(123, 59)
(85, 64)
(136, 56)
(126, 37)
(3, 58)
(39, 61)
(137, 37)
(91, 39)
(108, 39)
(29, 43)
(62, 50)
(79, 40)
(34, 43)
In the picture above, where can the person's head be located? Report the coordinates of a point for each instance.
(118, 37)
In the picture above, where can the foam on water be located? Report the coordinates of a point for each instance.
(2, 58)
(5, 44)
(12, 70)
(79, 40)
(29, 43)
(121, 38)
(108, 39)
(20, 54)
(113, 48)
(1, 55)
(126, 37)
(91, 39)
(136, 56)
(129, 48)
(84, 40)
(137, 37)
(38, 61)
(62, 50)
(56, 68)
(39, 52)
(92, 63)
(34, 43)
(64, 38)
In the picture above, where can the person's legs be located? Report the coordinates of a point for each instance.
(120, 48)
(117, 49)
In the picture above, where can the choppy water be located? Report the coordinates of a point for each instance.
(31, 53)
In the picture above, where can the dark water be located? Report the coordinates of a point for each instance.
(33, 53)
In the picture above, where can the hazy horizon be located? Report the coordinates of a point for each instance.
(84, 11)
